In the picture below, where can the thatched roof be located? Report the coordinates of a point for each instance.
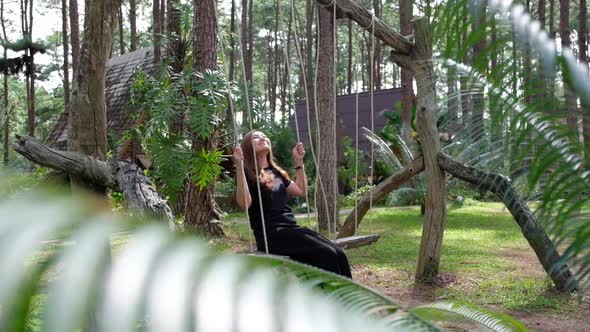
(119, 77)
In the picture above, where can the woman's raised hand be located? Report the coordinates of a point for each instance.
(238, 155)
(298, 153)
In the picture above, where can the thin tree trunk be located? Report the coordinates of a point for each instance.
(464, 88)
(349, 66)
(583, 45)
(133, 24)
(6, 123)
(552, 35)
(405, 14)
(570, 108)
(309, 63)
(162, 18)
(377, 50)
(75, 38)
(477, 102)
(66, 45)
(201, 208)
(232, 42)
(156, 30)
(327, 155)
(245, 39)
(121, 32)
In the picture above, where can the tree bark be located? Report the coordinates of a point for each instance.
(420, 61)
(377, 51)
(363, 17)
(133, 24)
(570, 109)
(66, 45)
(201, 209)
(405, 15)
(87, 122)
(349, 65)
(121, 32)
(583, 46)
(156, 30)
(6, 123)
(117, 175)
(75, 38)
(232, 42)
(327, 197)
(532, 229)
(477, 129)
(380, 191)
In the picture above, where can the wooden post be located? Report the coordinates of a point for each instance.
(420, 63)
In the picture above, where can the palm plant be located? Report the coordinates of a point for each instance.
(523, 130)
(159, 282)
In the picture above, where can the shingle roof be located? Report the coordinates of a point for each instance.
(119, 76)
(383, 100)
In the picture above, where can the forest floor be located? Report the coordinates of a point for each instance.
(485, 261)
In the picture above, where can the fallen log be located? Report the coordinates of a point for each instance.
(381, 190)
(115, 174)
(531, 228)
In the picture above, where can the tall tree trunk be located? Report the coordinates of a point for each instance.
(276, 60)
(570, 109)
(156, 30)
(420, 61)
(201, 209)
(232, 42)
(121, 32)
(309, 63)
(87, 122)
(542, 85)
(327, 155)
(162, 19)
(245, 51)
(479, 22)
(349, 65)
(66, 45)
(377, 50)
(177, 55)
(405, 15)
(464, 88)
(6, 123)
(75, 37)
(583, 45)
(552, 35)
(133, 24)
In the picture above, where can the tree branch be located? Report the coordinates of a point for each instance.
(381, 190)
(531, 228)
(365, 19)
(117, 175)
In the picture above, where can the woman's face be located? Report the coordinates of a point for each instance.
(260, 142)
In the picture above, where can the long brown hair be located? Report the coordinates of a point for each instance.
(249, 166)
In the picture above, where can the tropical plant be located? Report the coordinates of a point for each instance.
(511, 123)
(61, 251)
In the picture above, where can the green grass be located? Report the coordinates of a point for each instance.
(484, 254)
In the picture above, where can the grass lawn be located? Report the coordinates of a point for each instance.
(485, 261)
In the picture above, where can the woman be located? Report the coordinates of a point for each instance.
(283, 235)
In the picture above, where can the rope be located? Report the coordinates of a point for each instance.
(300, 57)
(334, 39)
(234, 126)
(288, 64)
(372, 59)
(250, 125)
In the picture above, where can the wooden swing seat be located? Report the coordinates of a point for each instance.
(356, 241)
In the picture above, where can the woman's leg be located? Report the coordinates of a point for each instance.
(309, 247)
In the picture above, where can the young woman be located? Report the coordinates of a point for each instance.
(284, 237)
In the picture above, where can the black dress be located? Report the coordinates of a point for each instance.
(284, 236)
